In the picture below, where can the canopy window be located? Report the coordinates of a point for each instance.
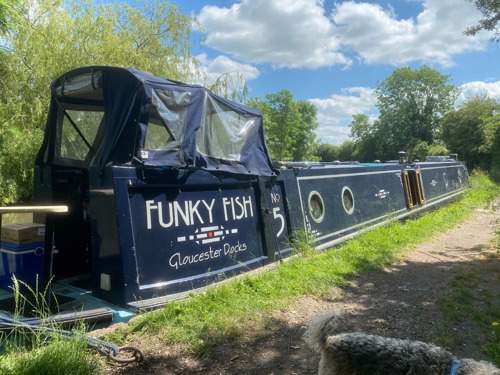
(78, 133)
(84, 86)
(224, 132)
(167, 119)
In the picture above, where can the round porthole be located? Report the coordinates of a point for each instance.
(348, 200)
(445, 178)
(316, 207)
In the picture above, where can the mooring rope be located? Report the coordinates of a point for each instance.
(101, 346)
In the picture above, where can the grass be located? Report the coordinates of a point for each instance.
(59, 356)
(493, 346)
(30, 351)
(223, 312)
(472, 304)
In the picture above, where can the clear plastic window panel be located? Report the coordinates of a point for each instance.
(167, 120)
(72, 145)
(82, 85)
(223, 132)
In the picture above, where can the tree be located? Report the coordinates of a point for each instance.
(360, 127)
(9, 15)
(347, 151)
(411, 104)
(495, 148)
(423, 149)
(290, 126)
(305, 132)
(56, 36)
(472, 131)
(491, 13)
(231, 85)
(327, 152)
(362, 132)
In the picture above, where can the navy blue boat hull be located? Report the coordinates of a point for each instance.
(176, 231)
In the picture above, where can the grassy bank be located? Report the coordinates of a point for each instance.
(225, 311)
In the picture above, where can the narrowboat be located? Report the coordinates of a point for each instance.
(171, 188)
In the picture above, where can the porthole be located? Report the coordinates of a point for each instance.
(445, 178)
(348, 200)
(316, 206)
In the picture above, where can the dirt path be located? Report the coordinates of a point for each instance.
(399, 301)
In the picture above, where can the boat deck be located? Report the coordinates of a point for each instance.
(68, 304)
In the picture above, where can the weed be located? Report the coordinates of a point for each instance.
(303, 243)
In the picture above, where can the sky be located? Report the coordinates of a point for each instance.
(333, 53)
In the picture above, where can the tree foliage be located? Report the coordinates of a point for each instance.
(360, 127)
(490, 10)
(347, 151)
(290, 126)
(417, 116)
(495, 148)
(364, 136)
(9, 15)
(231, 85)
(411, 104)
(423, 149)
(472, 131)
(327, 152)
(55, 36)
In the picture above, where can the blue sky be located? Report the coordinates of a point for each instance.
(333, 53)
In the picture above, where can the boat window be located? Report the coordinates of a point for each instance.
(167, 119)
(348, 200)
(316, 206)
(78, 132)
(223, 132)
(445, 179)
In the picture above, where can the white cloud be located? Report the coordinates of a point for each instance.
(224, 65)
(433, 37)
(284, 33)
(298, 34)
(335, 113)
(472, 89)
(334, 135)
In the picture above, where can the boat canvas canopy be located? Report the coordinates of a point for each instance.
(117, 116)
